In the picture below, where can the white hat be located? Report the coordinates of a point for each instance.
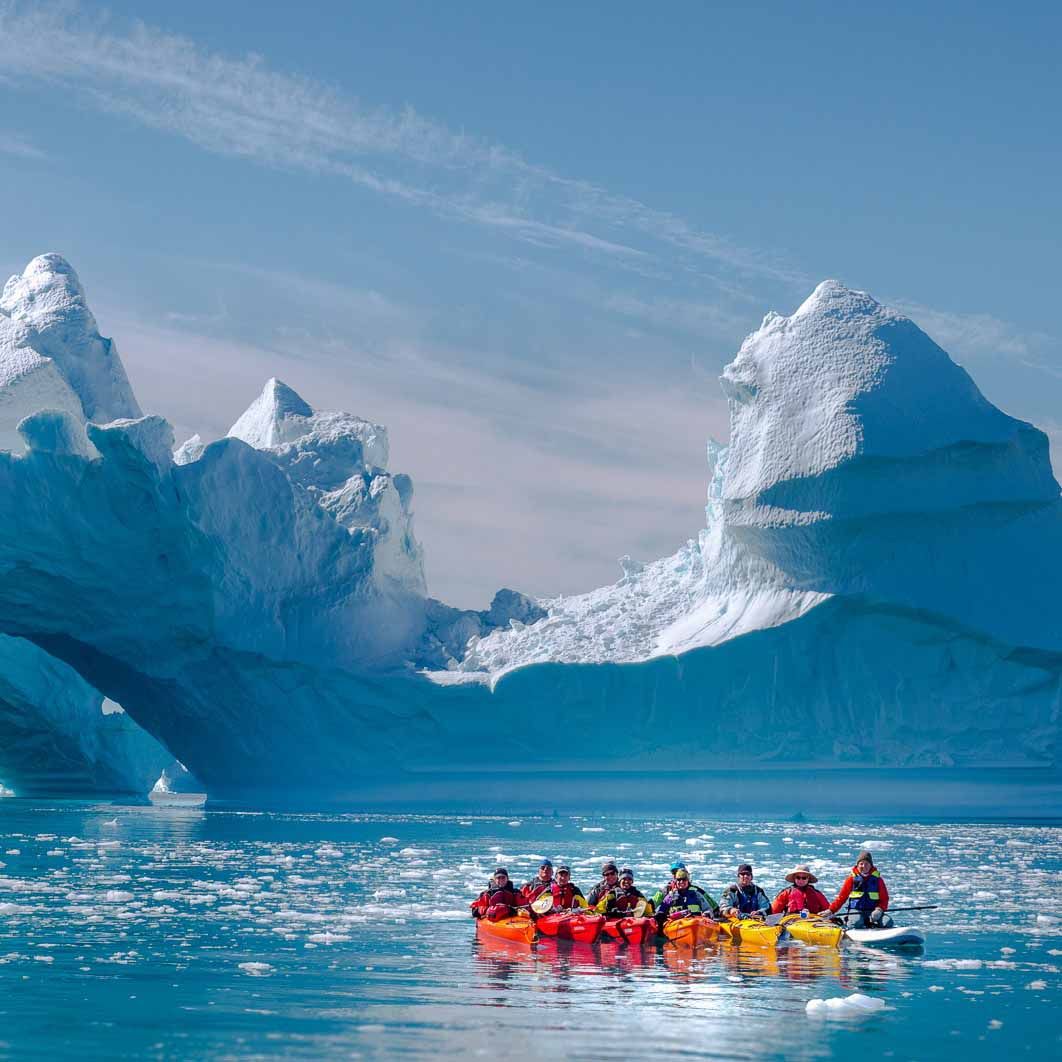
(802, 868)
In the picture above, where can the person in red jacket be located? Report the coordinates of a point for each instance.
(863, 894)
(500, 899)
(800, 896)
(543, 882)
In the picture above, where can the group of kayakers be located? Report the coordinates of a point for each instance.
(862, 896)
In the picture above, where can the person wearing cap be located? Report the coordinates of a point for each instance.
(864, 894)
(565, 894)
(500, 899)
(609, 880)
(801, 895)
(622, 899)
(685, 899)
(745, 899)
(533, 889)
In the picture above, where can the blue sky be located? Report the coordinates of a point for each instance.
(528, 238)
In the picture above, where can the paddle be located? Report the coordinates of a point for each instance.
(543, 904)
(639, 908)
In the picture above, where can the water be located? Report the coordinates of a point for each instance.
(153, 932)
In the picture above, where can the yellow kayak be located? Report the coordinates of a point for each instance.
(749, 931)
(813, 930)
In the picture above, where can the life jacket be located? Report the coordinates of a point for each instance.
(497, 895)
(621, 900)
(564, 895)
(534, 889)
(865, 893)
(747, 902)
(691, 898)
(798, 898)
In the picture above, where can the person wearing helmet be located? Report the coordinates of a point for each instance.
(864, 894)
(623, 898)
(500, 899)
(801, 894)
(685, 899)
(609, 880)
(543, 881)
(745, 899)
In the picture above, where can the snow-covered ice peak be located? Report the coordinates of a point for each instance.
(827, 405)
(48, 334)
(263, 424)
(342, 460)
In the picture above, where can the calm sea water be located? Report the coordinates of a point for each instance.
(170, 933)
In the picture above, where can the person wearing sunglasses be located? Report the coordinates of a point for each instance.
(801, 894)
(539, 884)
(685, 899)
(609, 880)
(622, 899)
(745, 899)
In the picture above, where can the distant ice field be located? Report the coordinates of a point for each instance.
(157, 932)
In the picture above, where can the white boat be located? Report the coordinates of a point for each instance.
(895, 937)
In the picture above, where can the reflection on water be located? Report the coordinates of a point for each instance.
(177, 932)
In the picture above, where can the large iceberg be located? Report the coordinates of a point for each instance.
(877, 583)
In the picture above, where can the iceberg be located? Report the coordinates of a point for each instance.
(876, 581)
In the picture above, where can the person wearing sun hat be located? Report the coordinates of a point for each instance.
(801, 894)
(865, 895)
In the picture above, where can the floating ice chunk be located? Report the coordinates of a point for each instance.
(117, 896)
(516, 822)
(256, 969)
(593, 829)
(388, 840)
(995, 1023)
(855, 1005)
(1047, 920)
(1036, 986)
(954, 964)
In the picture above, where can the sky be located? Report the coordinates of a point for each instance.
(527, 238)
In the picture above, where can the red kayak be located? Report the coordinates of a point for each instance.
(571, 925)
(632, 930)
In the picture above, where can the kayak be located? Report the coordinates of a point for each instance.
(632, 930)
(569, 925)
(519, 928)
(691, 931)
(896, 937)
(749, 931)
(813, 930)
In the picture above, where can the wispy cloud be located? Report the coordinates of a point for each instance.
(241, 107)
(975, 333)
(19, 147)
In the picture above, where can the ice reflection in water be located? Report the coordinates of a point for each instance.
(127, 931)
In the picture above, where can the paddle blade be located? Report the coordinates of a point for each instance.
(544, 904)
(639, 909)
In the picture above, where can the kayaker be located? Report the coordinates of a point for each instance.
(800, 896)
(609, 880)
(745, 899)
(658, 896)
(566, 895)
(864, 893)
(500, 899)
(538, 885)
(623, 898)
(685, 899)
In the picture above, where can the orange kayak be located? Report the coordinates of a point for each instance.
(691, 931)
(519, 928)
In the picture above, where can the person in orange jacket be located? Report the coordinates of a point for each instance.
(864, 894)
(801, 895)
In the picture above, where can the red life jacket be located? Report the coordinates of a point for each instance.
(808, 898)
(564, 895)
